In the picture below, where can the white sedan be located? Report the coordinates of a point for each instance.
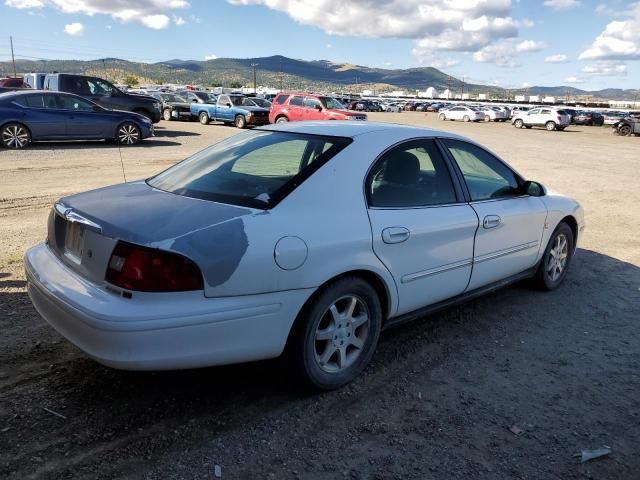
(304, 238)
(494, 114)
(466, 114)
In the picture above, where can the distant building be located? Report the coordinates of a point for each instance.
(482, 96)
(534, 99)
(446, 94)
(428, 93)
(548, 99)
(368, 93)
(520, 98)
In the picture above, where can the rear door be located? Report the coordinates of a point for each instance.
(511, 224)
(422, 228)
(42, 116)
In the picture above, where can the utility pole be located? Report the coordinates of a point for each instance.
(13, 59)
(104, 67)
(462, 89)
(255, 83)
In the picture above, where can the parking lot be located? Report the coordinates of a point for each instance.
(438, 400)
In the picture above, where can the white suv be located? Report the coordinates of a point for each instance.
(549, 118)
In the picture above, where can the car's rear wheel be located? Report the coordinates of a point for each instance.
(518, 123)
(204, 118)
(128, 134)
(166, 114)
(282, 119)
(15, 136)
(624, 130)
(557, 257)
(336, 334)
(466, 118)
(442, 116)
(487, 118)
(240, 122)
(551, 126)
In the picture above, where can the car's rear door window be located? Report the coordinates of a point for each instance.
(30, 101)
(256, 169)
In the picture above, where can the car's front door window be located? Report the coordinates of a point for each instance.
(486, 176)
(74, 103)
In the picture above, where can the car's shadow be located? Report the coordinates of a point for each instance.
(87, 145)
(102, 405)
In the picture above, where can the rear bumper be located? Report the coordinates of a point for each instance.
(158, 331)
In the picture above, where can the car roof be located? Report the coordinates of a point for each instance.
(352, 129)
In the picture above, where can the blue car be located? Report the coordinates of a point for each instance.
(37, 115)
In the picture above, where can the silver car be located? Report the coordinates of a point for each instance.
(303, 239)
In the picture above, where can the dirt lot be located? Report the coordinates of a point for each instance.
(436, 403)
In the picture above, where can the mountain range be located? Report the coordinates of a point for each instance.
(287, 73)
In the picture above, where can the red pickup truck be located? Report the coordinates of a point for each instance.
(296, 107)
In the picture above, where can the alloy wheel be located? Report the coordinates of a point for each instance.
(341, 334)
(557, 258)
(15, 136)
(128, 134)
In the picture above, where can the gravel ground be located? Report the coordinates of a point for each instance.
(437, 402)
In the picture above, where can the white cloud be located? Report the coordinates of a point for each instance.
(328, 45)
(21, 4)
(559, 58)
(444, 64)
(573, 79)
(561, 4)
(608, 69)
(620, 39)
(210, 57)
(435, 25)
(108, 27)
(74, 29)
(151, 13)
(179, 21)
(525, 85)
(506, 53)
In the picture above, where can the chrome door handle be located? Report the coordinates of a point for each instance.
(395, 235)
(491, 221)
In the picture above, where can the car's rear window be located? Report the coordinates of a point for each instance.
(255, 169)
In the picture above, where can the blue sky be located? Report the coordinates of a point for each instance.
(511, 43)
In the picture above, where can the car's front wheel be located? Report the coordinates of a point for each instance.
(15, 136)
(487, 118)
(518, 123)
(282, 119)
(557, 256)
(336, 334)
(128, 134)
(166, 114)
(442, 116)
(240, 122)
(624, 130)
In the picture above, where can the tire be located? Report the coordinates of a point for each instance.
(15, 136)
(466, 118)
(240, 122)
(128, 133)
(204, 118)
(548, 277)
(624, 130)
(318, 362)
(550, 126)
(528, 127)
(442, 116)
(166, 114)
(282, 119)
(487, 118)
(518, 123)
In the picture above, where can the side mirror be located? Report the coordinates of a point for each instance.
(318, 107)
(534, 189)
(97, 108)
(228, 105)
(194, 100)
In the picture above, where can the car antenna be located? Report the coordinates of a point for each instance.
(124, 176)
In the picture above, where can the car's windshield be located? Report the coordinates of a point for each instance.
(255, 169)
(330, 102)
(239, 101)
(167, 97)
(205, 97)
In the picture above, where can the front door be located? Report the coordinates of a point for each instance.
(224, 109)
(312, 109)
(511, 223)
(81, 119)
(422, 229)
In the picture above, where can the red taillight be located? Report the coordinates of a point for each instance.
(150, 270)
